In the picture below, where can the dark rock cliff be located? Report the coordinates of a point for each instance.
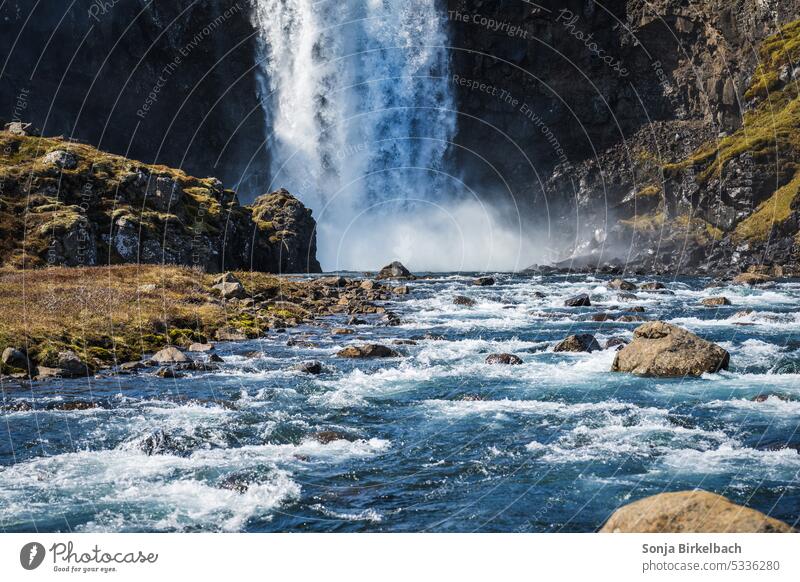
(638, 130)
(164, 82)
(66, 203)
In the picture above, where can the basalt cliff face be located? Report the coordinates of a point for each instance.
(171, 83)
(661, 136)
(69, 204)
(655, 135)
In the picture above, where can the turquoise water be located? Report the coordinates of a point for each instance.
(434, 441)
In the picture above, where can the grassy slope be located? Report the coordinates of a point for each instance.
(108, 314)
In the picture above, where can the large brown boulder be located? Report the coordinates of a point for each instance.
(663, 349)
(690, 512)
(751, 279)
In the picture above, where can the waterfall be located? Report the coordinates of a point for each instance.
(360, 115)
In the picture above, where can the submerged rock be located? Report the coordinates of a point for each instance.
(311, 367)
(465, 301)
(329, 436)
(751, 279)
(663, 349)
(690, 512)
(622, 285)
(584, 342)
(368, 351)
(581, 300)
(715, 301)
(395, 270)
(627, 297)
(507, 359)
(652, 286)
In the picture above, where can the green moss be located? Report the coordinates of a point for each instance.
(771, 212)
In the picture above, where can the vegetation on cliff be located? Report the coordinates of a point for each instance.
(67, 203)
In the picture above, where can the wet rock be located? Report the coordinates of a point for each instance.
(404, 342)
(333, 281)
(662, 349)
(751, 279)
(626, 297)
(630, 318)
(402, 290)
(395, 270)
(635, 309)
(368, 351)
(465, 301)
(368, 285)
(616, 342)
(484, 281)
(72, 406)
(622, 285)
(15, 358)
(157, 442)
(328, 436)
(392, 319)
(130, 367)
(652, 286)
(581, 300)
(356, 321)
(600, 317)
(538, 295)
(196, 347)
(715, 301)
(341, 331)
(690, 512)
(169, 355)
(584, 342)
(17, 407)
(765, 397)
(507, 359)
(215, 358)
(311, 367)
(169, 372)
(242, 481)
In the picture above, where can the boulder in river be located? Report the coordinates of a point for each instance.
(197, 347)
(507, 359)
(690, 512)
(311, 367)
(71, 365)
(583, 342)
(368, 351)
(395, 270)
(622, 285)
(751, 279)
(465, 301)
(581, 300)
(715, 301)
(652, 286)
(170, 355)
(484, 281)
(663, 349)
(626, 297)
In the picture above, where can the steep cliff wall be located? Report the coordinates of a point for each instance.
(591, 109)
(164, 82)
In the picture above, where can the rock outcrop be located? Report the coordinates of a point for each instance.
(663, 349)
(79, 206)
(690, 512)
(395, 270)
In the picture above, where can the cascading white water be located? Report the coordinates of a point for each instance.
(360, 115)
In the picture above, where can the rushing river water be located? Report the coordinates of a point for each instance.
(436, 440)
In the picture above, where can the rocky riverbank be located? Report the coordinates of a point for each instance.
(73, 322)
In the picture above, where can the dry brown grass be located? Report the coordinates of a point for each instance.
(116, 313)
